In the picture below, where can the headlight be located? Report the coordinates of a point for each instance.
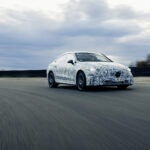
(92, 69)
(129, 69)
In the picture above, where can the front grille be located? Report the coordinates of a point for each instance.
(118, 74)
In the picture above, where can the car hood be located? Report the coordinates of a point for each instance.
(106, 65)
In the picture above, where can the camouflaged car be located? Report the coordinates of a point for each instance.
(88, 69)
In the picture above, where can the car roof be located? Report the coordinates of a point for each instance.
(73, 52)
(80, 52)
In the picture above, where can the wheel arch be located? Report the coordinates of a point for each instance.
(48, 72)
(78, 73)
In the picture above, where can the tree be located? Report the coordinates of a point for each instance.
(148, 60)
(141, 64)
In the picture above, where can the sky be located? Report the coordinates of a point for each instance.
(34, 32)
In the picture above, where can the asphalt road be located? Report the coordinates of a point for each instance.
(34, 117)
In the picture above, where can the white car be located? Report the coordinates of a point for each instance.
(88, 69)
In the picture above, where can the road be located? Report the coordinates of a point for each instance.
(34, 117)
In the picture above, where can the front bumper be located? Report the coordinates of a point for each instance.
(102, 80)
(97, 81)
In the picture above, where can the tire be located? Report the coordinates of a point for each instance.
(122, 87)
(51, 80)
(81, 81)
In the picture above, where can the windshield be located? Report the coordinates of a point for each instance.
(92, 57)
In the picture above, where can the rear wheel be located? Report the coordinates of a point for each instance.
(122, 87)
(81, 81)
(51, 80)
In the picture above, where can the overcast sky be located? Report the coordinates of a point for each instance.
(34, 32)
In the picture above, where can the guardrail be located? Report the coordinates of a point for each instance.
(23, 73)
(140, 71)
(145, 71)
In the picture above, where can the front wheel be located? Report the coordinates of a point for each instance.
(81, 81)
(122, 87)
(51, 80)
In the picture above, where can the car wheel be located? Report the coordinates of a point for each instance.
(81, 81)
(51, 80)
(122, 87)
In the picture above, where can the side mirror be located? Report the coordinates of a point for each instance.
(70, 61)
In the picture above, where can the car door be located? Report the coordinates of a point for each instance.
(59, 69)
(70, 69)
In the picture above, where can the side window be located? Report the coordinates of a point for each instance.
(61, 59)
(70, 57)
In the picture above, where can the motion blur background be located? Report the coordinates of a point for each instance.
(34, 32)
(34, 117)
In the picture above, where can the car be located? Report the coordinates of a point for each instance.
(85, 69)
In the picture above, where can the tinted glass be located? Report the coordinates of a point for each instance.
(92, 57)
(61, 59)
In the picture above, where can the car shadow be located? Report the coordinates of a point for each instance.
(94, 89)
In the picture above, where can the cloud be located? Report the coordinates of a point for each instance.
(31, 39)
